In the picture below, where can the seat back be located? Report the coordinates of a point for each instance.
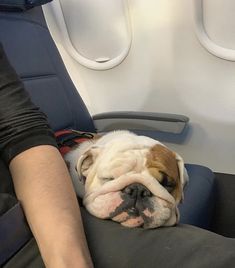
(32, 52)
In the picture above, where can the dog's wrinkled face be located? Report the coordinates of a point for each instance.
(133, 180)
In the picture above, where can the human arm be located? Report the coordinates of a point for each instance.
(40, 177)
(43, 186)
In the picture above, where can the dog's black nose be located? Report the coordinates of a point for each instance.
(136, 190)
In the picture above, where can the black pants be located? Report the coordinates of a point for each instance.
(114, 246)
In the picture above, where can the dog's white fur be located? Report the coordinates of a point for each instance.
(113, 162)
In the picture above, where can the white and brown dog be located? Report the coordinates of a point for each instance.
(134, 180)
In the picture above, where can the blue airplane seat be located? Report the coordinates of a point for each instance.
(30, 49)
(32, 52)
(199, 197)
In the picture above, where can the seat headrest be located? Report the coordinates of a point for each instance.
(20, 5)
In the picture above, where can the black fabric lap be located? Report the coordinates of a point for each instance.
(112, 245)
(182, 246)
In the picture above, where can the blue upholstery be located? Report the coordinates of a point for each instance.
(16, 237)
(198, 206)
(21, 5)
(33, 54)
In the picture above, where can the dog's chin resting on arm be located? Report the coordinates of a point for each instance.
(134, 180)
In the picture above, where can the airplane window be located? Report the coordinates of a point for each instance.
(214, 25)
(97, 34)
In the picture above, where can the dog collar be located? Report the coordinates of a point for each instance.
(69, 138)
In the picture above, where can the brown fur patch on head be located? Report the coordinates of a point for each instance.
(163, 159)
(160, 161)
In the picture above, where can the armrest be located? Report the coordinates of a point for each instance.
(164, 122)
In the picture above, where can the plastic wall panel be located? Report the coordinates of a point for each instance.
(168, 70)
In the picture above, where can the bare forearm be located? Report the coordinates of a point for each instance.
(44, 188)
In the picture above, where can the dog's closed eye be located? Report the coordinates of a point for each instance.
(107, 179)
(167, 183)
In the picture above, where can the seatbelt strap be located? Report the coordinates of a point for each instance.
(14, 233)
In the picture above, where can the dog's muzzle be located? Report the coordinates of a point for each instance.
(136, 207)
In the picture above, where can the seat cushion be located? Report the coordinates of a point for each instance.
(199, 198)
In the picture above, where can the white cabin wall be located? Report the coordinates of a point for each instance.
(168, 70)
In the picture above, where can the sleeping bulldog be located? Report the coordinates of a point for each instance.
(134, 180)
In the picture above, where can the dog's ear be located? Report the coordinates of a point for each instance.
(182, 173)
(85, 162)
